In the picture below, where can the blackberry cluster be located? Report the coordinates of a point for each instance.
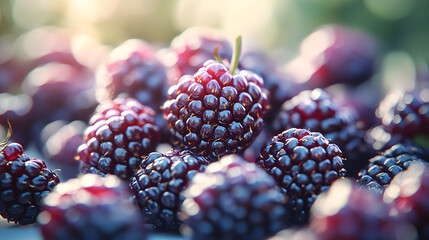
(347, 212)
(304, 164)
(157, 186)
(384, 167)
(91, 207)
(133, 70)
(23, 183)
(408, 193)
(317, 111)
(233, 199)
(215, 113)
(120, 133)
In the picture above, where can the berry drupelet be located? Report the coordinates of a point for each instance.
(120, 133)
(193, 47)
(91, 207)
(303, 164)
(157, 186)
(409, 194)
(133, 70)
(384, 167)
(216, 112)
(317, 111)
(23, 183)
(347, 212)
(233, 199)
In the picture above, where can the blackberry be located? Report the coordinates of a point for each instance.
(384, 167)
(347, 212)
(303, 164)
(408, 194)
(91, 207)
(334, 54)
(317, 111)
(233, 199)
(157, 186)
(215, 112)
(121, 131)
(23, 183)
(405, 114)
(193, 47)
(133, 70)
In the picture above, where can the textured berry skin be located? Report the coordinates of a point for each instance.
(303, 164)
(214, 113)
(405, 113)
(193, 47)
(233, 199)
(408, 194)
(23, 183)
(384, 167)
(334, 54)
(317, 111)
(157, 186)
(120, 133)
(91, 207)
(133, 70)
(347, 212)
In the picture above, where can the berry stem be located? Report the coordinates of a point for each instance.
(8, 135)
(235, 55)
(216, 54)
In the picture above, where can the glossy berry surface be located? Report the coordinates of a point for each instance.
(120, 133)
(23, 183)
(303, 164)
(384, 167)
(233, 199)
(215, 113)
(346, 211)
(157, 186)
(133, 70)
(408, 194)
(91, 207)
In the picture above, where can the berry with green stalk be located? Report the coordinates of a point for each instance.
(219, 110)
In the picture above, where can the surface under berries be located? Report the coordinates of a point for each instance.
(215, 113)
(384, 167)
(233, 199)
(120, 133)
(157, 186)
(303, 164)
(23, 183)
(91, 207)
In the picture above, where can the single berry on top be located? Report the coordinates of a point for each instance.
(216, 111)
(233, 199)
(303, 164)
(157, 186)
(120, 132)
(24, 182)
(91, 207)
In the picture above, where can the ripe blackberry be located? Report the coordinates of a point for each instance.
(23, 183)
(334, 54)
(215, 112)
(193, 47)
(133, 70)
(157, 186)
(91, 207)
(121, 131)
(384, 167)
(406, 114)
(233, 199)
(408, 194)
(347, 212)
(303, 164)
(317, 111)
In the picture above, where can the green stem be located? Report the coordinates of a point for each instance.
(236, 55)
(216, 54)
(8, 135)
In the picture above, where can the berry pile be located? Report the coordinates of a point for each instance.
(193, 139)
